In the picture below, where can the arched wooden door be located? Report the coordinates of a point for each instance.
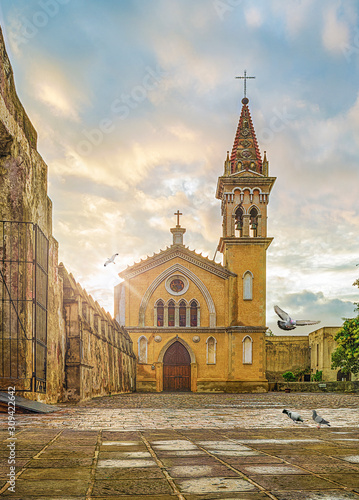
(176, 368)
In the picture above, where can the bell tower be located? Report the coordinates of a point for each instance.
(244, 190)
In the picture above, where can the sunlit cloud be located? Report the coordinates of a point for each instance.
(335, 32)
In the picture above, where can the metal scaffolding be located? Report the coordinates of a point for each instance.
(24, 251)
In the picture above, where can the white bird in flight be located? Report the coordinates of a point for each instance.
(288, 323)
(111, 259)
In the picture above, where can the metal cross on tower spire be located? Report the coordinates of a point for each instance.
(245, 78)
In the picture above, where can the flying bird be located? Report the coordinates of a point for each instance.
(288, 323)
(293, 415)
(111, 259)
(319, 420)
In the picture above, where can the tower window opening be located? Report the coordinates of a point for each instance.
(247, 350)
(160, 313)
(182, 313)
(247, 286)
(238, 222)
(211, 350)
(171, 313)
(142, 349)
(253, 222)
(193, 315)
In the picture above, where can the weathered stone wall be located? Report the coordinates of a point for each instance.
(285, 353)
(23, 189)
(99, 358)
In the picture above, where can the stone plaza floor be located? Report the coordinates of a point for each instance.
(187, 446)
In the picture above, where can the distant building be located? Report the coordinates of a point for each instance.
(295, 353)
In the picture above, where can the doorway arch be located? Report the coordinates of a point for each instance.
(177, 368)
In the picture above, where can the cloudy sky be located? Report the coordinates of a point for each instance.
(136, 103)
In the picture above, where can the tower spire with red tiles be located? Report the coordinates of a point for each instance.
(245, 152)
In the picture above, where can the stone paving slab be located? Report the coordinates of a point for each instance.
(69, 461)
(317, 495)
(228, 496)
(132, 487)
(291, 482)
(48, 489)
(44, 474)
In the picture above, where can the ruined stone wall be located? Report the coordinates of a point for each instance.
(100, 359)
(285, 353)
(23, 198)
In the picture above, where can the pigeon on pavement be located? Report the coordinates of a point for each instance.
(288, 323)
(293, 415)
(111, 259)
(319, 420)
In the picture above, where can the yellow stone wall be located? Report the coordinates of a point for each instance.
(239, 258)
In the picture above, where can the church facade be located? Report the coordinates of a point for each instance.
(197, 325)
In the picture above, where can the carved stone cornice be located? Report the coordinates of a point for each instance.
(228, 183)
(177, 330)
(244, 241)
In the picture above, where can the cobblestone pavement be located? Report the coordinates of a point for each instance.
(192, 411)
(186, 446)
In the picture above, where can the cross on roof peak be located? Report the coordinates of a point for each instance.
(245, 78)
(178, 213)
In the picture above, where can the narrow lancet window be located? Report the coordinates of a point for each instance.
(247, 286)
(182, 313)
(159, 310)
(211, 350)
(142, 350)
(171, 313)
(194, 313)
(247, 350)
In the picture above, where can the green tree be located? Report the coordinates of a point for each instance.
(346, 355)
(318, 376)
(289, 376)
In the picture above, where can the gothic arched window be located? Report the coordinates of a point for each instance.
(142, 349)
(247, 350)
(238, 221)
(211, 350)
(254, 221)
(247, 286)
(182, 313)
(159, 311)
(171, 313)
(194, 313)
